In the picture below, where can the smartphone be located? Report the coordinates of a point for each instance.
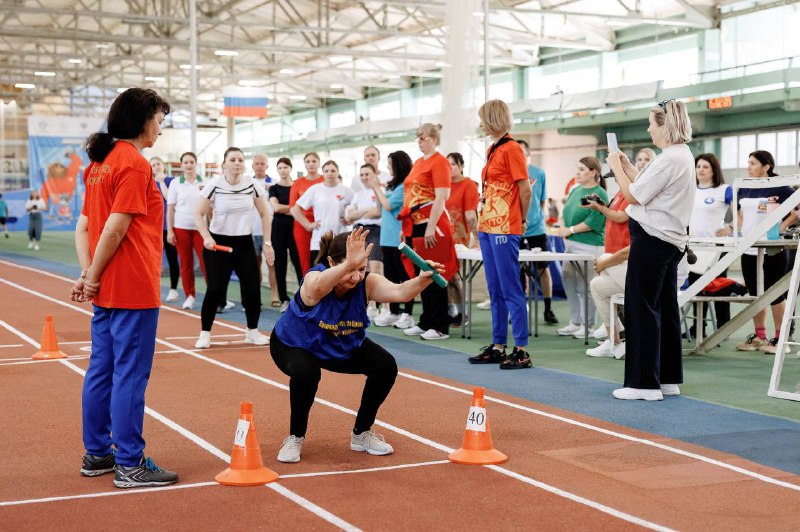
(611, 138)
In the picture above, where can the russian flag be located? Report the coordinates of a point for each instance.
(241, 102)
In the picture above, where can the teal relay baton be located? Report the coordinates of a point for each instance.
(420, 263)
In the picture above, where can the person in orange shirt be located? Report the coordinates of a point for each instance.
(462, 205)
(506, 198)
(302, 237)
(425, 192)
(119, 243)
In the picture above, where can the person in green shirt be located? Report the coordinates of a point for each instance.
(583, 231)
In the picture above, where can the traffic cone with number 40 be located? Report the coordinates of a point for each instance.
(477, 447)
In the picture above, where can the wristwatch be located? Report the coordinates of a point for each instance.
(268, 243)
(572, 230)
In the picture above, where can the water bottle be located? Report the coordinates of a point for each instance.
(774, 232)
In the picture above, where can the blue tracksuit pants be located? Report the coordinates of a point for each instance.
(123, 342)
(501, 265)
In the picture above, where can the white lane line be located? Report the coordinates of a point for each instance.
(11, 345)
(614, 434)
(591, 504)
(76, 343)
(368, 470)
(108, 494)
(4, 363)
(206, 484)
(302, 502)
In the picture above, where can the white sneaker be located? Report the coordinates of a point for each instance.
(36, 247)
(619, 351)
(229, 305)
(416, 330)
(405, 321)
(433, 334)
(172, 295)
(372, 311)
(30, 245)
(599, 333)
(604, 350)
(568, 330)
(252, 336)
(386, 319)
(189, 303)
(290, 450)
(204, 342)
(582, 332)
(284, 306)
(485, 305)
(369, 442)
(632, 394)
(670, 389)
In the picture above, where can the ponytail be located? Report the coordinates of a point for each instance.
(98, 146)
(334, 247)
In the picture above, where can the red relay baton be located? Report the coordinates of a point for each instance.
(226, 249)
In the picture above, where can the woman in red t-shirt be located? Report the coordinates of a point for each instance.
(425, 192)
(119, 239)
(302, 237)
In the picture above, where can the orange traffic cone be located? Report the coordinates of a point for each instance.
(477, 447)
(247, 468)
(49, 349)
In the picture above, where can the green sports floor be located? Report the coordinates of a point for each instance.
(724, 376)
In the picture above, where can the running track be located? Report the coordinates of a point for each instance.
(566, 471)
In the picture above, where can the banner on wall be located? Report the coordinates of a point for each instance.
(57, 161)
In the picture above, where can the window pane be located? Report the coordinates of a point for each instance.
(343, 119)
(766, 141)
(787, 148)
(729, 148)
(747, 145)
(429, 105)
(385, 111)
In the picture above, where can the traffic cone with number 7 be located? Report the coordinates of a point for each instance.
(477, 447)
(247, 468)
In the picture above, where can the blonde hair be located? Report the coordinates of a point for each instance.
(496, 117)
(672, 116)
(433, 131)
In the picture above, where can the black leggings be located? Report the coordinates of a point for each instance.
(394, 271)
(304, 370)
(283, 243)
(219, 266)
(172, 259)
(775, 267)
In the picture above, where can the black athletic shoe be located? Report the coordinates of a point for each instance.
(518, 359)
(550, 317)
(455, 321)
(489, 355)
(145, 475)
(94, 466)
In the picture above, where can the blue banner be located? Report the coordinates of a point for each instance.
(57, 161)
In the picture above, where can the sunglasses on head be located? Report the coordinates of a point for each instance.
(663, 104)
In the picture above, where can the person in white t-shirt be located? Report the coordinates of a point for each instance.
(373, 156)
(712, 202)
(231, 198)
(328, 200)
(365, 212)
(660, 208)
(260, 165)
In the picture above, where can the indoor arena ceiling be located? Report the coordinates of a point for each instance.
(303, 53)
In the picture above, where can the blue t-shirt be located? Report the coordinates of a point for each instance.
(390, 225)
(782, 193)
(333, 328)
(538, 192)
